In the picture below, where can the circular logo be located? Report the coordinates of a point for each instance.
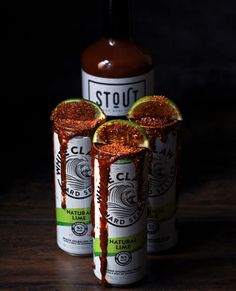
(79, 228)
(152, 226)
(162, 174)
(122, 205)
(78, 176)
(123, 258)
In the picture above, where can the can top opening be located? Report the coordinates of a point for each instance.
(121, 134)
(77, 114)
(118, 150)
(154, 112)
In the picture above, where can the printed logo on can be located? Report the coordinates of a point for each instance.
(163, 166)
(152, 226)
(78, 168)
(79, 228)
(122, 204)
(123, 258)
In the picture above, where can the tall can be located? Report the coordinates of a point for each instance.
(161, 119)
(119, 213)
(162, 191)
(74, 123)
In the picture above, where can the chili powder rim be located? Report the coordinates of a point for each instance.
(98, 141)
(74, 125)
(155, 99)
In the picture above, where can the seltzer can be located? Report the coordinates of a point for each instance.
(74, 220)
(126, 223)
(162, 193)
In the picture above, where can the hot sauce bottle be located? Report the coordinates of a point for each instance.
(115, 70)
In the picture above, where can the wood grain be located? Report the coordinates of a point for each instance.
(204, 258)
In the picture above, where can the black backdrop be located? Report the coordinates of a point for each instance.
(193, 43)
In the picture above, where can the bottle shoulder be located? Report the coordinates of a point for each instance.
(116, 58)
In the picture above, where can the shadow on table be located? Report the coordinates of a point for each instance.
(203, 247)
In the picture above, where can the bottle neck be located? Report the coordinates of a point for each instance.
(116, 19)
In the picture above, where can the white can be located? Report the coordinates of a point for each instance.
(74, 220)
(162, 196)
(125, 223)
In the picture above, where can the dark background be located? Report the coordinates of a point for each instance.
(194, 48)
(193, 44)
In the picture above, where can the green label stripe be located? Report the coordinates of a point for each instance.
(121, 161)
(69, 216)
(119, 244)
(163, 213)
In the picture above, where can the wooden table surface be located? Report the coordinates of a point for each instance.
(204, 259)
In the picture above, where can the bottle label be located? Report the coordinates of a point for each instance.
(116, 95)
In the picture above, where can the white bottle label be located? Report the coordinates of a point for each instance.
(116, 95)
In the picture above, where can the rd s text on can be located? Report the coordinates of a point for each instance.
(73, 127)
(120, 217)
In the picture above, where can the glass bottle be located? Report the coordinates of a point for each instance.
(115, 70)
